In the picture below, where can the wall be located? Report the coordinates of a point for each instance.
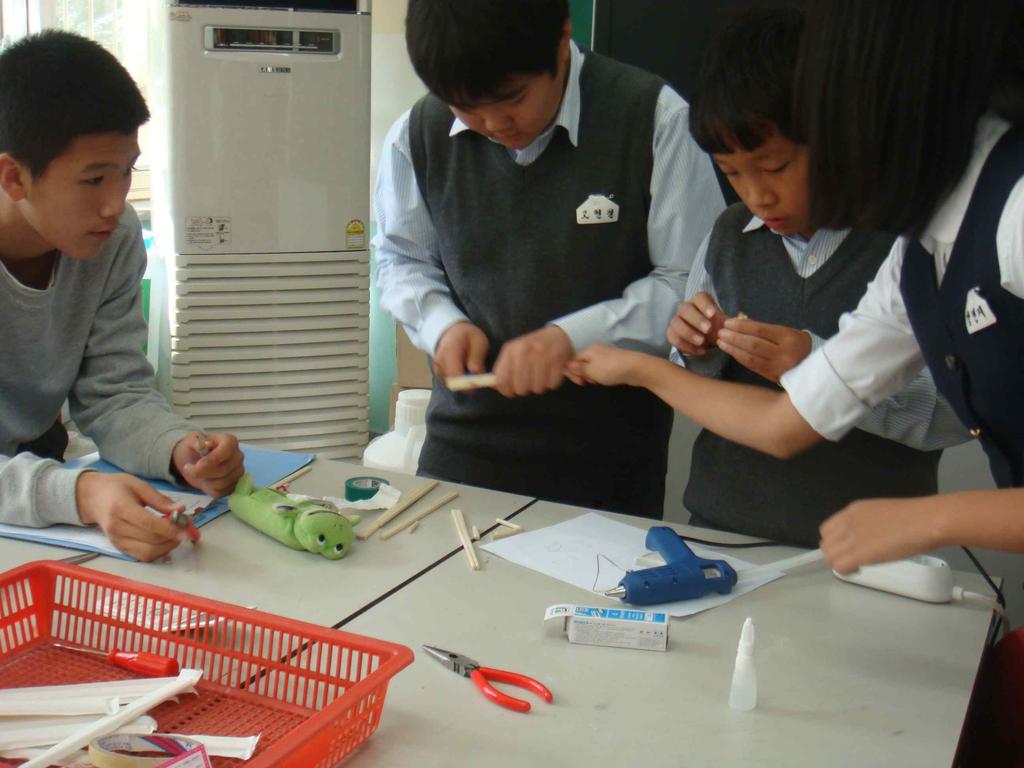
(393, 89)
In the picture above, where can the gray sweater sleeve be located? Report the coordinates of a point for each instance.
(37, 492)
(113, 400)
(111, 397)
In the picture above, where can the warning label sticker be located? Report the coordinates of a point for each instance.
(355, 235)
(207, 232)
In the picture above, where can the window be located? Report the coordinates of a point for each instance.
(120, 26)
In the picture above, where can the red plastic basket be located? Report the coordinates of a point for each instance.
(314, 693)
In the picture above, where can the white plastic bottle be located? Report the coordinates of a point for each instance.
(399, 450)
(743, 694)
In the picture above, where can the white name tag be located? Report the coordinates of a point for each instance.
(978, 315)
(598, 209)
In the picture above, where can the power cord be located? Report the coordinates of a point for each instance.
(984, 574)
(998, 604)
(728, 545)
(961, 595)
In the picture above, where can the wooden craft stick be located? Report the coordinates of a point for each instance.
(294, 475)
(476, 533)
(403, 504)
(414, 526)
(507, 524)
(387, 533)
(474, 381)
(504, 532)
(467, 545)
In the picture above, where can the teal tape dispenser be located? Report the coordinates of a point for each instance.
(360, 488)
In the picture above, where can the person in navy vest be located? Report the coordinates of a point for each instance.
(913, 113)
(540, 199)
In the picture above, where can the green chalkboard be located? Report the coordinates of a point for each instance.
(582, 14)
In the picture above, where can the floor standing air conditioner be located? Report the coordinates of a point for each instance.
(261, 208)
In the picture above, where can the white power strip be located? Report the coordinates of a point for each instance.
(922, 578)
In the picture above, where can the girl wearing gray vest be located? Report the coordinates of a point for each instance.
(540, 199)
(912, 111)
(764, 258)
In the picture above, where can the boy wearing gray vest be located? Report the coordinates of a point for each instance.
(71, 261)
(763, 259)
(540, 199)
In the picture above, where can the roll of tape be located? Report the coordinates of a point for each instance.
(359, 488)
(121, 751)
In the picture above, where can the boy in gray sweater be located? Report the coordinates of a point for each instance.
(71, 261)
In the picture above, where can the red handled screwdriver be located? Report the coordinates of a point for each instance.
(182, 520)
(149, 664)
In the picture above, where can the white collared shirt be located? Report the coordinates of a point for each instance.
(875, 352)
(685, 201)
(915, 416)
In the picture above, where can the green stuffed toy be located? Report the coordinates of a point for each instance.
(315, 525)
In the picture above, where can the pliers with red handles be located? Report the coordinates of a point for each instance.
(482, 676)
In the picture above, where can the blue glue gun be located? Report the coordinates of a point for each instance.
(683, 577)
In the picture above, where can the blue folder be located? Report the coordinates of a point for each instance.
(267, 467)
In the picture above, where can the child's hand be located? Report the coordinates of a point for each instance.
(463, 347)
(694, 329)
(767, 350)
(117, 504)
(877, 531)
(534, 363)
(209, 463)
(610, 366)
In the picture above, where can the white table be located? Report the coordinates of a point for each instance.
(237, 564)
(14, 553)
(847, 676)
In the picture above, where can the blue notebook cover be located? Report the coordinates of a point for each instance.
(267, 467)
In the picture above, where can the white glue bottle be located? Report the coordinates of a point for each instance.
(399, 450)
(743, 694)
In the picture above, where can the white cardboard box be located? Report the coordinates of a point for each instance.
(614, 627)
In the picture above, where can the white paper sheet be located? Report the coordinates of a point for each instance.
(186, 679)
(385, 498)
(19, 733)
(125, 690)
(593, 553)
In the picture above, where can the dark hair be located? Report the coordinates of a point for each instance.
(888, 94)
(743, 92)
(56, 86)
(465, 50)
